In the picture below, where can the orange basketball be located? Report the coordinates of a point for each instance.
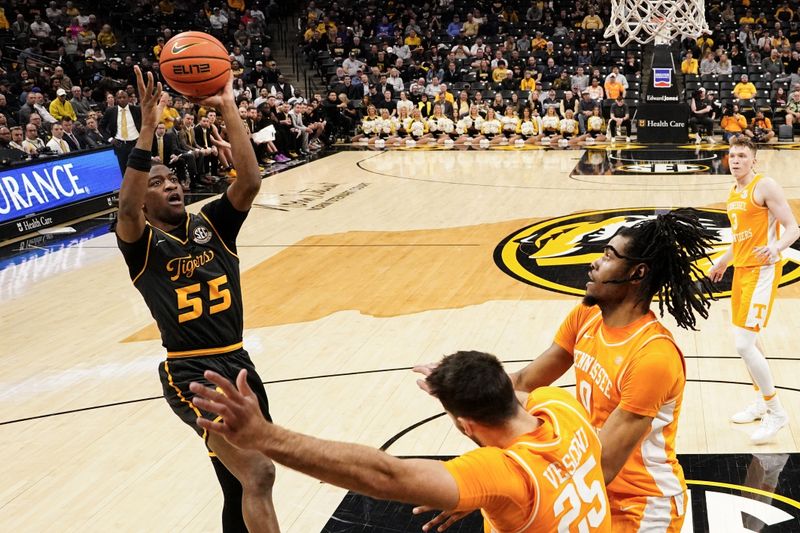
(195, 64)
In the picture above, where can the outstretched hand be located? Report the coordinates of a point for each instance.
(425, 370)
(242, 424)
(445, 518)
(218, 100)
(151, 98)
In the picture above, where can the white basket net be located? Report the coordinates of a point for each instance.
(660, 21)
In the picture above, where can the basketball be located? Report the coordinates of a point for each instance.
(195, 64)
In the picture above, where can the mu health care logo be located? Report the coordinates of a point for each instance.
(555, 254)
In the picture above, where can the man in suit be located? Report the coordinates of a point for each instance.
(69, 135)
(202, 134)
(187, 143)
(166, 151)
(92, 138)
(27, 109)
(57, 144)
(121, 125)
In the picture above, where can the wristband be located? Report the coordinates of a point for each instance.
(140, 160)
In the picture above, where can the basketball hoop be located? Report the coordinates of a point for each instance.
(657, 21)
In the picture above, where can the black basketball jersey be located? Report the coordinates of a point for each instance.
(192, 286)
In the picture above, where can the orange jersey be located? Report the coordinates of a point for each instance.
(547, 480)
(752, 225)
(640, 369)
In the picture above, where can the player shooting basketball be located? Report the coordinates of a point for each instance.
(762, 226)
(186, 268)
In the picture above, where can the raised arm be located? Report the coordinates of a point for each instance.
(130, 219)
(243, 191)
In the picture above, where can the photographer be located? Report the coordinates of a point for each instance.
(733, 123)
(760, 129)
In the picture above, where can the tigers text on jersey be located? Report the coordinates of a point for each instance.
(640, 369)
(752, 225)
(547, 480)
(193, 290)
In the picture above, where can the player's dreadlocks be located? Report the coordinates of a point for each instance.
(669, 245)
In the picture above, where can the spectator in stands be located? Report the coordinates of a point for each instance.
(551, 71)
(384, 85)
(579, 81)
(724, 66)
(39, 107)
(632, 67)
(75, 144)
(603, 57)
(528, 83)
(772, 65)
(569, 103)
(32, 144)
(745, 92)
(619, 77)
(551, 101)
(57, 144)
(784, 13)
(28, 108)
(613, 88)
(620, 118)
(40, 29)
(283, 86)
(445, 99)
(80, 104)
(92, 135)
(454, 28)
(592, 21)
(701, 116)
(470, 27)
(20, 28)
(534, 13)
(793, 108)
(16, 139)
(538, 42)
(760, 129)
(107, 38)
(95, 53)
(733, 123)
(596, 92)
(689, 64)
(753, 57)
(709, 66)
(395, 81)
(5, 138)
(586, 108)
(386, 101)
(737, 58)
(60, 107)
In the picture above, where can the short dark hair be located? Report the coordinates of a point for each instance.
(474, 385)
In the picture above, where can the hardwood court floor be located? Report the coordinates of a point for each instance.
(355, 267)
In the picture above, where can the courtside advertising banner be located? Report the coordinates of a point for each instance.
(51, 183)
(52, 191)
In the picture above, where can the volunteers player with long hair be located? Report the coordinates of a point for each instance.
(186, 268)
(537, 468)
(762, 226)
(630, 374)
